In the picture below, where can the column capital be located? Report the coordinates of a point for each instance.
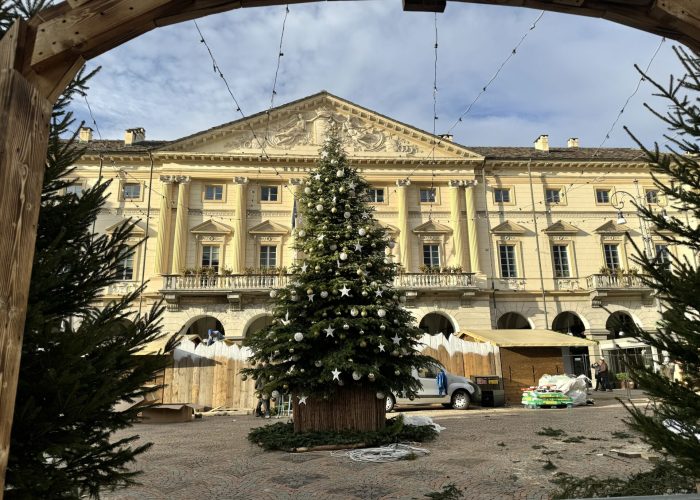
(182, 179)
(453, 183)
(403, 182)
(240, 180)
(295, 181)
(168, 179)
(470, 183)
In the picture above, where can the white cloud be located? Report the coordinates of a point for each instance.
(569, 78)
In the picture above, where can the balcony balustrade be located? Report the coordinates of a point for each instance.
(614, 282)
(255, 282)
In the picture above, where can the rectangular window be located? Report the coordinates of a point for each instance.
(431, 255)
(125, 269)
(560, 253)
(131, 191)
(602, 196)
(376, 195)
(427, 195)
(509, 268)
(501, 195)
(612, 257)
(268, 193)
(76, 189)
(210, 256)
(552, 195)
(662, 255)
(213, 192)
(652, 196)
(268, 256)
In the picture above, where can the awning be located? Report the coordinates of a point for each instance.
(526, 338)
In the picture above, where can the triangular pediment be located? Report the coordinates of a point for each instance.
(211, 227)
(561, 227)
(136, 232)
(611, 227)
(657, 230)
(300, 127)
(269, 228)
(388, 228)
(432, 227)
(509, 227)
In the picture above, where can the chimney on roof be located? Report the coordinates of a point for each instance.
(85, 134)
(542, 143)
(134, 135)
(572, 143)
(446, 137)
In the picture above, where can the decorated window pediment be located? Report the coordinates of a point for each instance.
(390, 230)
(432, 228)
(268, 228)
(509, 227)
(611, 227)
(561, 227)
(211, 227)
(136, 232)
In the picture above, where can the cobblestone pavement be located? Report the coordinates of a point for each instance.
(488, 453)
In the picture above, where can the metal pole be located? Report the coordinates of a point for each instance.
(537, 242)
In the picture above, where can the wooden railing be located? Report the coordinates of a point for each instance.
(611, 281)
(265, 282)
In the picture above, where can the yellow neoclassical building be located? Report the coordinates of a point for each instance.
(488, 238)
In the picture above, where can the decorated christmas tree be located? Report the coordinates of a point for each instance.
(340, 341)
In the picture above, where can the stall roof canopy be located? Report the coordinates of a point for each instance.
(526, 338)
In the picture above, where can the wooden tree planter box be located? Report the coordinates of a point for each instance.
(355, 408)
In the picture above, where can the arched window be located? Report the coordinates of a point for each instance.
(569, 323)
(204, 325)
(619, 324)
(513, 321)
(436, 323)
(258, 324)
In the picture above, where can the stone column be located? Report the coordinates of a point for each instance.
(470, 198)
(404, 235)
(166, 186)
(461, 251)
(180, 245)
(239, 225)
(296, 188)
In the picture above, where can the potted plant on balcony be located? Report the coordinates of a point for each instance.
(625, 381)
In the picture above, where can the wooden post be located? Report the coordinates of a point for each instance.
(24, 115)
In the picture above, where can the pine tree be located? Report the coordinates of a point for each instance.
(340, 340)
(674, 424)
(77, 359)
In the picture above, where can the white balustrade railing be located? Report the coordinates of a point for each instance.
(261, 281)
(613, 281)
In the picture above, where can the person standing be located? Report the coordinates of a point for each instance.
(263, 407)
(604, 375)
(596, 367)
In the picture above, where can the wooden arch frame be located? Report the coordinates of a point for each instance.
(38, 58)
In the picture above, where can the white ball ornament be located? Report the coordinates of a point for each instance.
(302, 233)
(347, 215)
(275, 393)
(356, 375)
(298, 336)
(324, 294)
(333, 247)
(319, 208)
(380, 395)
(371, 376)
(392, 244)
(334, 210)
(343, 256)
(354, 311)
(346, 326)
(381, 313)
(382, 327)
(340, 173)
(397, 372)
(318, 363)
(362, 231)
(307, 190)
(273, 293)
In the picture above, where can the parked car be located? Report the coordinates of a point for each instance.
(461, 391)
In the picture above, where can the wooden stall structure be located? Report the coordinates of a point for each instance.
(525, 355)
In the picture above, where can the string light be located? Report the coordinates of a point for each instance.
(432, 193)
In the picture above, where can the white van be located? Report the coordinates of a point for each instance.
(461, 391)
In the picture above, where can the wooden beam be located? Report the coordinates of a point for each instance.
(24, 115)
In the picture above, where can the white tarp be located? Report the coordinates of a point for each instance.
(574, 387)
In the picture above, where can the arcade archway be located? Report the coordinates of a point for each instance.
(437, 323)
(513, 321)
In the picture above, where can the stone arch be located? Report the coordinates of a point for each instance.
(200, 325)
(256, 323)
(618, 322)
(436, 322)
(570, 322)
(514, 321)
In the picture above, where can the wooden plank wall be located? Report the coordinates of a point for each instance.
(523, 367)
(209, 375)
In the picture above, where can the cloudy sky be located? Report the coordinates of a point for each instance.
(569, 78)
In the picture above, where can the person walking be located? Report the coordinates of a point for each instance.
(263, 407)
(596, 367)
